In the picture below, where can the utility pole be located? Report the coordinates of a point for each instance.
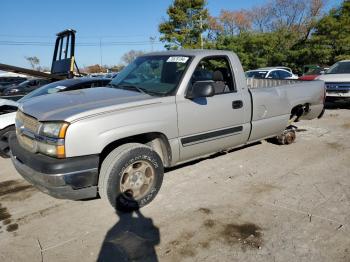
(152, 39)
(201, 26)
(100, 53)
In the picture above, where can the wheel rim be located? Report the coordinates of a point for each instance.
(290, 137)
(137, 180)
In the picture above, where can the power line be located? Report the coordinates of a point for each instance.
(100, 43)
(86, 37)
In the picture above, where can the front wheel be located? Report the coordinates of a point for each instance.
(130, 176)
(4, 141)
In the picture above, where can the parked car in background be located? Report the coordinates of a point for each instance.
(337, 79)
(15, 92)
(8, 108)
(277, 67)
(271, 73)
(310, 72)
(111, 75)
(8, 81)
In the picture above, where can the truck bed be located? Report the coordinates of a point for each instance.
(254, 83)
(274, 100)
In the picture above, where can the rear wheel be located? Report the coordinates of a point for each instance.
(130, 177)
(288, 137)
(4, 141)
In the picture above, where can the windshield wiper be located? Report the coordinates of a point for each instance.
(133, 88)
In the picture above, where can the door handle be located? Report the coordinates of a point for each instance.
(237, 104)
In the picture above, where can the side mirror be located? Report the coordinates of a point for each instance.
(322, 72)
(201, 89)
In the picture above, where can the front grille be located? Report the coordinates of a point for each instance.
(26, 127)
(343, 87)
(27, 122)
(26, 142)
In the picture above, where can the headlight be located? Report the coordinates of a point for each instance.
(53, 150)
(51, 139)
(54, 129)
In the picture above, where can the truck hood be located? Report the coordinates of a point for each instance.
(72, 105)
(334, 77)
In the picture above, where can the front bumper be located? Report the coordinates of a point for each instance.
(338, 94)
(72, 178)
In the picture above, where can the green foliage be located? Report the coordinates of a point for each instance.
(292, 37)
(331, 40)
(185, 25)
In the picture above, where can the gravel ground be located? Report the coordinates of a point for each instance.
(261, 203)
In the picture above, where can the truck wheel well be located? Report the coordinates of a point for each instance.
(157, 141)
(298, 111)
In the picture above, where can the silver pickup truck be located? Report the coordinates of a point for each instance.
(166, 108)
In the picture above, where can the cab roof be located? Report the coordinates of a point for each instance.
(190, 52)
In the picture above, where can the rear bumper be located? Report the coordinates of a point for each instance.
(71, 178)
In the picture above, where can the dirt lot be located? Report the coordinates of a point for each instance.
(261, 203)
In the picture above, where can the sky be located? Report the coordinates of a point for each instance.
(128, 24)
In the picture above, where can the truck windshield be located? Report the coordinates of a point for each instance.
(340, 68)
(154, 75)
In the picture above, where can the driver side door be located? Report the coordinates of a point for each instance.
(211, 124)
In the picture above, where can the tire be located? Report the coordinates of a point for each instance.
(287, 138)
(5, 151)
(120, 170)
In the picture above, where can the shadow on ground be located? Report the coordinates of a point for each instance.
(132, 238)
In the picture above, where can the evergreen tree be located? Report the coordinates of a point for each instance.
(331, 40)
(185, 25)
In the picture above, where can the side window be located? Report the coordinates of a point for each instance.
(284, 74)
(273, 75)
(33, 83)
(216, 69)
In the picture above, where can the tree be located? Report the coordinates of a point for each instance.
(331, 40)
(215, 28)
(117, 68)
(33, 61)
(235, 22)
(94, 69)
(261, 18)
(277, 33)
(185, 25)
(130, 56)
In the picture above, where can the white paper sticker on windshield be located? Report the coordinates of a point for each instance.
(60, 87)
(177, 59)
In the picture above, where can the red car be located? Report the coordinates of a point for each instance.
(312, 74)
